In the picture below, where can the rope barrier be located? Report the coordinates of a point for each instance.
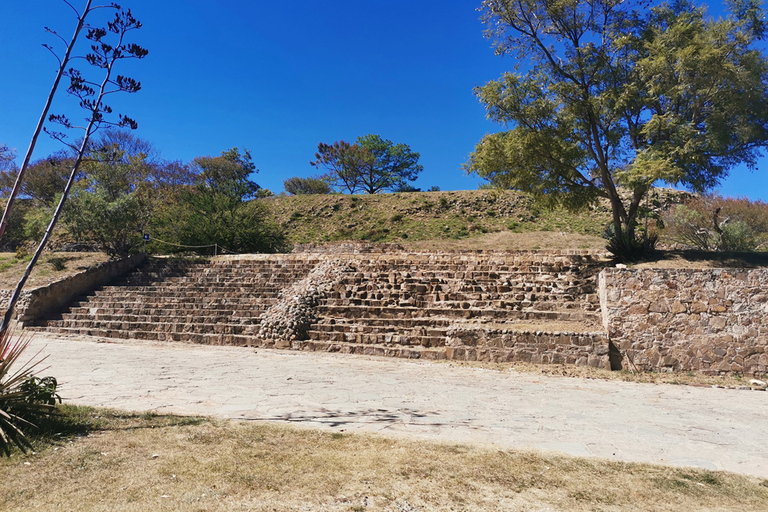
(216, 247)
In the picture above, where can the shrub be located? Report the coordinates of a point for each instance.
(264, 193)
(739, 236)
(313, 185)
(58, 263)
(23, 397)
(714, 223)
(627, 247)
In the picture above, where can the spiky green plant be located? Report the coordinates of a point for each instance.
(18, 407)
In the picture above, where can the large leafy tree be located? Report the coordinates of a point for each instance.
(609, 96)
(218, 211)
(123, 184)
(370, 165)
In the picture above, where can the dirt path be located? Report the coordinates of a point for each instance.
(678, 425)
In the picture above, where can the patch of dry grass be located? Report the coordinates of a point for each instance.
(127, 462)
(48, 268)
(511, 241)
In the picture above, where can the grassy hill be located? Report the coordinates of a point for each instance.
(473, 219)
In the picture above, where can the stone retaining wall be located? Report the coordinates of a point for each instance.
(37, 302)
(712, 320)
(478, 343)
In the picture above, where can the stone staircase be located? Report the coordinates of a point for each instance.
(530, 306)
(216, 303)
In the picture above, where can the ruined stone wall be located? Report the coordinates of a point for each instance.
(709, 320)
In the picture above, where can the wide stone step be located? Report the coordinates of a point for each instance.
(517, 303)
(199, 317)
(455, 312)
(426, 283)
(147, 327)
(185, 337)
(395, 323)
(404, 351)
(361, 338)
(371, 328)
(164, 310)
(172, 302)
(189, 291)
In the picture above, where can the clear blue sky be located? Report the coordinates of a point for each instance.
(280, 77)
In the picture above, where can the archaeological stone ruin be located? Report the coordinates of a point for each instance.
(543, 307)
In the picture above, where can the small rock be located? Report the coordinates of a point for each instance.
(758, 384)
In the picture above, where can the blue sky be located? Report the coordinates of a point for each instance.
(280, 77)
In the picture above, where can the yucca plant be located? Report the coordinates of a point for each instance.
(20, 400)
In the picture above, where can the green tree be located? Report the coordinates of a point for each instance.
(123, 186)
(6, 157)
(610, 97)
(343, 162)
(370, 165)
(44, 179)
(218, 209)
(111, 203)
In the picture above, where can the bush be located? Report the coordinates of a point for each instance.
(58, 263)
(313, 185)
(264, 193)
(628, 247)
(714, 223)
(740, 237)
(24, 398)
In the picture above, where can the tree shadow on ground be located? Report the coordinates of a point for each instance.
(72, 421)
(705, 259)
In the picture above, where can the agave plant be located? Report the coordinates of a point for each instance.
(19, 405)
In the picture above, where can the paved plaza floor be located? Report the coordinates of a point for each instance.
(719, 429)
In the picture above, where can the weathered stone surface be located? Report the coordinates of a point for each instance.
(720, 333)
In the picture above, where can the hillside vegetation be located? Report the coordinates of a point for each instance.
(475, 219)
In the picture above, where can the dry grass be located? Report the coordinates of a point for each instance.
(459, 219)
(45, 272)
(508, 240)
(125, 462)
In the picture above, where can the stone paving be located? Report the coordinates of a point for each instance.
(719, 429)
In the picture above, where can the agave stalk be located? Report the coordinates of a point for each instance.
(63, 63)
(91, 96)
